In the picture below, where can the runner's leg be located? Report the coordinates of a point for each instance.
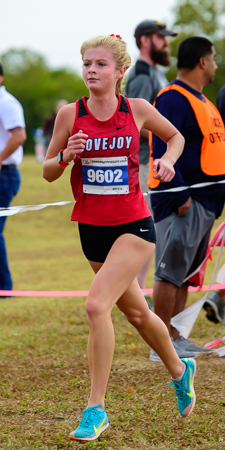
(121, 266)
(151, 327)
(114, 278)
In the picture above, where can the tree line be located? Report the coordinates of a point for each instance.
(38, 87)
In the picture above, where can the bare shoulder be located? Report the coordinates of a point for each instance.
(140, 106)
(66, 117)
(67, 111)
(141, 109)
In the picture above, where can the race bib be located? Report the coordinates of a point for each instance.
(105, 176)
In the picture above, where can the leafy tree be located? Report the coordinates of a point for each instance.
(37, 87)
(201, 18)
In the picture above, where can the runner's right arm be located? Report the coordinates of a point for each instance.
(62, 139)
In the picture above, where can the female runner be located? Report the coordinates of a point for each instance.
(100, 134)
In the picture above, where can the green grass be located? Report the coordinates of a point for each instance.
(44, 381)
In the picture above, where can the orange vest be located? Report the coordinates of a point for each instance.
(211, 125)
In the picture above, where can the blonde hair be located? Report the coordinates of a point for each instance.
(117, 47)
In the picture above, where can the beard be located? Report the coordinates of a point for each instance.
(161, 57)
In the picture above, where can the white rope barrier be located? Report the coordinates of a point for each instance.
(11, 210)
(184, 188)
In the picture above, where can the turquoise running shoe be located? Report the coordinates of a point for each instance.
(185, 393)
(92, 424)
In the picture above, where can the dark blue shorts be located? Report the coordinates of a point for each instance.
(97, 240)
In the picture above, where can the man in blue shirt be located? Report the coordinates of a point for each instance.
(184, 217)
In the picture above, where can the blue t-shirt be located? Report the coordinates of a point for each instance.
(177, 109)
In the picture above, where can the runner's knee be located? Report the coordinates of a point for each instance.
(96, 308)
(137, 319)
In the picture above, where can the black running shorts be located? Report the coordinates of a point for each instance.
(97, 240)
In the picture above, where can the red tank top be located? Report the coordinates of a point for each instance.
(105, 178)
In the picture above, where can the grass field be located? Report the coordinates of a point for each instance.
(44, 380)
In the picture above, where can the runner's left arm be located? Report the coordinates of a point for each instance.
(146, 116)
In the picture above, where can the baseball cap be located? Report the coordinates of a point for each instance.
(153, 26)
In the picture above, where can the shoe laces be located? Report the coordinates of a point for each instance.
(88, 415)
(177, 386)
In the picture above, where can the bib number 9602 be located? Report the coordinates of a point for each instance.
(108, 176)
(105, 176)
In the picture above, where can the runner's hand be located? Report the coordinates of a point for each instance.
(165, 170)
(75, 146)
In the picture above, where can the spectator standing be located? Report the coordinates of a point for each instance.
(12, 137)
(40, 144)
(42, 136)
(220, 102)
(184, 219)
(50, 121)
(145, 80)
(215, 302)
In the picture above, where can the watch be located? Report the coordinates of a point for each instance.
(60, 159)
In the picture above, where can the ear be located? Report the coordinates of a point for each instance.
(202, 62)
(121, 73)
(1, 79)
(144, 41)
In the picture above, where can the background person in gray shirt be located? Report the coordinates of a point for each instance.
(145, 80)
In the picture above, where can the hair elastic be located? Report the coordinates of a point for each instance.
(116, 35)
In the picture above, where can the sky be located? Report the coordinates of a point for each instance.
(57, 28)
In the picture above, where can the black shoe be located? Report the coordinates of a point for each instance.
(214, 308)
